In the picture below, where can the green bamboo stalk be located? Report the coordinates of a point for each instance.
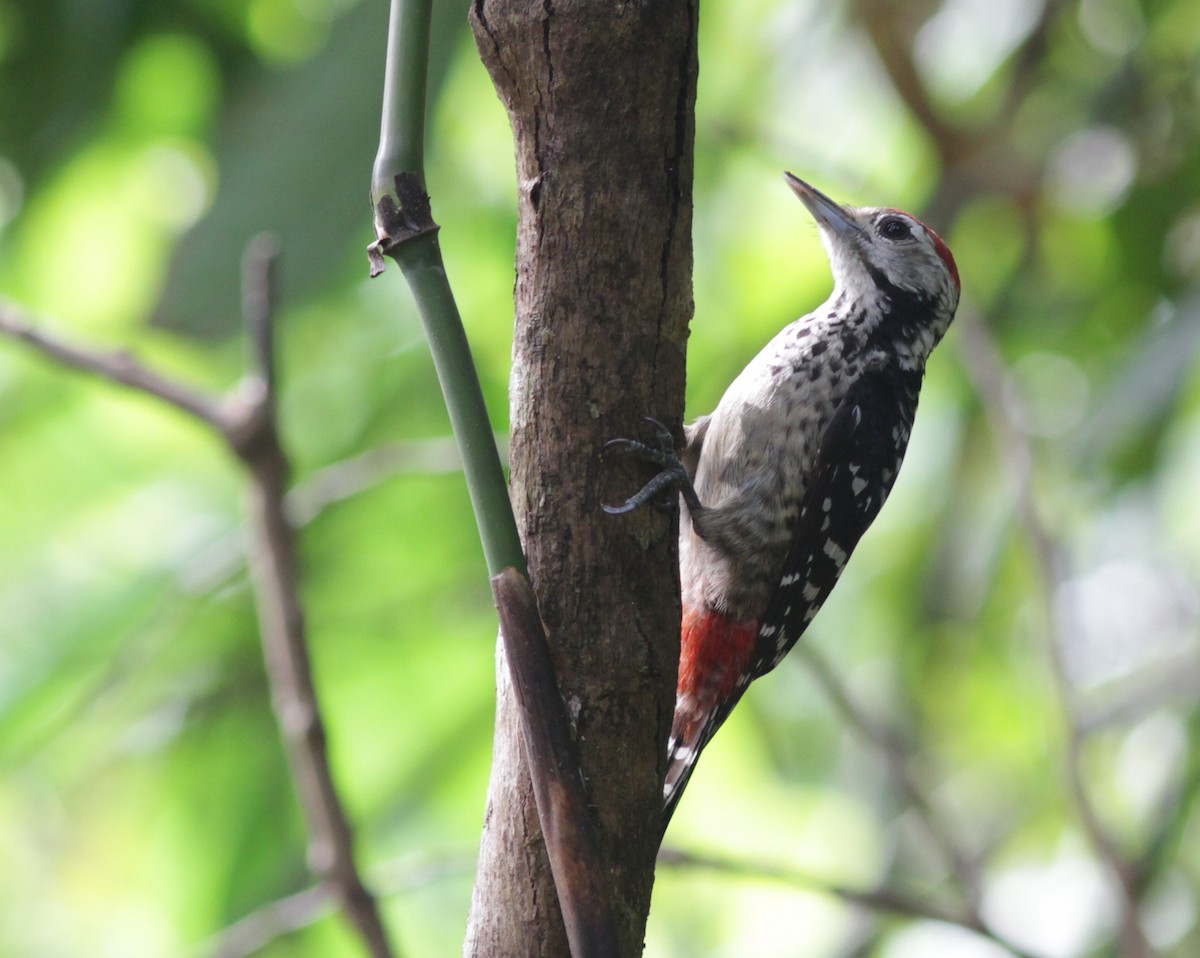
(406, 232)
(402, 128)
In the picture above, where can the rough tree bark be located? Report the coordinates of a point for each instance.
(600, 96)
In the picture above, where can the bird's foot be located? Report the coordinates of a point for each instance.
(672, 477)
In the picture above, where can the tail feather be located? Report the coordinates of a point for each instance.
(715, 653)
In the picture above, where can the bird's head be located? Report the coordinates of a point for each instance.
(885, 254)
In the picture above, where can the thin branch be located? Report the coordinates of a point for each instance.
(117, 367)
(218, 562)
(898, 755)
(292, 913)
(983, 362)
(891, 29)
(1015, 452)
(1175, 681)
(258, 293)
(1025, 61)
(1175, 811)
(273, 921)
(247, 423)
(348, 477)
(884, 900)
(255, 439)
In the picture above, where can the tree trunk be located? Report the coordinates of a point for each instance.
(600, 97)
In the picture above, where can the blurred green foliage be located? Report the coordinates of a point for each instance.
(144, 801)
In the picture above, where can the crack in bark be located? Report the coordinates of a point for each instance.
(674, 158)
(535, 189)
(481, 19)
(548, 10)
(683, 112)
(496, 60)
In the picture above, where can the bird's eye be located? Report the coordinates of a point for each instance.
(894, 228)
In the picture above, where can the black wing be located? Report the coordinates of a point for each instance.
(856, 467)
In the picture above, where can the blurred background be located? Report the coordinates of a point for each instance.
(1000, 705)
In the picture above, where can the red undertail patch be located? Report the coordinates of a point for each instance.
(714, 652)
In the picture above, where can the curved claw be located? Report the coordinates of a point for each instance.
(639, 450)
(666, 441)
(664, 455)
(632, 446)
(667, 479)
(673, 474)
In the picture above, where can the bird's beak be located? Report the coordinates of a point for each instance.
(828, 214)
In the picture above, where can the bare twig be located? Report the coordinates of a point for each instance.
(558, 785)
(1026, 60)
(264, 925)
(258, 293)
(255, 439)
(894, 748)
(347, 477)
(891, 29)
(1176, 811)
(117, 367)
(224, 558)
(279, 918)
(983, 362)
(889, 901)
(885, 900)
(1174, 682)
(247, 422)
(985, 366)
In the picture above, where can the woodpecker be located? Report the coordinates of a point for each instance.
(778, 484)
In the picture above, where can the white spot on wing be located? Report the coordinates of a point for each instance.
(836, 553)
